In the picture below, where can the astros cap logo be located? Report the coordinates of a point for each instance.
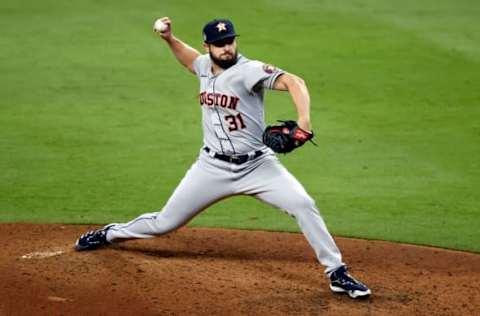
(221, 27)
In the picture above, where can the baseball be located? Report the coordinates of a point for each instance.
(159, 26)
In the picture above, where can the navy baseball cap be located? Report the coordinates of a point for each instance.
(218, 29)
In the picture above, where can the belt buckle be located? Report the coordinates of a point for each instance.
(233, 159)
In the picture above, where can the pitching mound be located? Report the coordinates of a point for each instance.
(224, 272)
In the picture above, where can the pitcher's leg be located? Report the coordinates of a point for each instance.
(303, 209)
(273, 184)
(199, 189)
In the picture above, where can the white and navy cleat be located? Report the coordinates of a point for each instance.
(342, 282)
(93, 239)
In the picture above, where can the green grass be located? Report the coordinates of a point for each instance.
(99, 123)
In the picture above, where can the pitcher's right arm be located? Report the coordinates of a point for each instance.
(184, 53)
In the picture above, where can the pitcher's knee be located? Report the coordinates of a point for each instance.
(304, 203)
(309, 204)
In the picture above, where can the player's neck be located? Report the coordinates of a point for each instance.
(216, 69)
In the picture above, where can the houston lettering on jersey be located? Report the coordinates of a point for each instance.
(219, 99)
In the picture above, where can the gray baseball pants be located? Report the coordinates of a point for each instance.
(210, 180)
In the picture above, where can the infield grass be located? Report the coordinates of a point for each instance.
(99, 123)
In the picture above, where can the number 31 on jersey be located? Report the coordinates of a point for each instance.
(235, 122)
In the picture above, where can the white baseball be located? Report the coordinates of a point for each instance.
(159, 26)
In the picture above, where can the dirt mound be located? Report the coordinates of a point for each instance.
(224, 272)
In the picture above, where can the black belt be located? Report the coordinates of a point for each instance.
(236, 159)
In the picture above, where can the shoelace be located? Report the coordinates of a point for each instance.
(89, 234)
(346, 278)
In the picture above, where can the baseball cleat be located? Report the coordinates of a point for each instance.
(342, 282)
(93, 239)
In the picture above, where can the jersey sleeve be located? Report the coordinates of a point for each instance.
(261, 75)
(200, 65)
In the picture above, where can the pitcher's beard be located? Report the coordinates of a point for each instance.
(224, 64)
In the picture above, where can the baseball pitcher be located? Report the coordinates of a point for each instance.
(238, 152)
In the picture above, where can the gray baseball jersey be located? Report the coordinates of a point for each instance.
(232, 104)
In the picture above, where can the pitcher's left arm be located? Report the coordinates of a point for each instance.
(297, 89)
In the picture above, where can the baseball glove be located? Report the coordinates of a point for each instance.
(285, 137)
